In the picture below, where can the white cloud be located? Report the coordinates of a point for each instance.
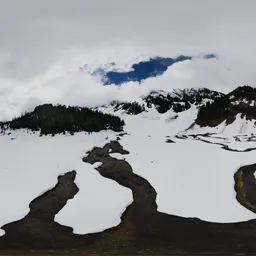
(60, 85)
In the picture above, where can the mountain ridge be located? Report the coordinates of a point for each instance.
(179, 100)
(213, 108)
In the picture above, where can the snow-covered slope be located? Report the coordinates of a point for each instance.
(237, 136)
(186, 174)
(229, 122)
(192, 178)
(30, 165)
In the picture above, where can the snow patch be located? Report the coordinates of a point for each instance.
(2, 232)
(191, 178)
(97, 164)
(171, 118)
(239, 135)
(117, 156)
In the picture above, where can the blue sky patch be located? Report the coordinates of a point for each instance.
(145, 69)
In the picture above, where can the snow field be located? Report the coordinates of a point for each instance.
(192, 178)
(30, 166)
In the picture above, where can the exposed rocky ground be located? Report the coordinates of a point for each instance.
(245, 186)
(142, 229)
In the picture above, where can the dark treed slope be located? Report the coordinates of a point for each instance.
(242, 101)
(49, 119)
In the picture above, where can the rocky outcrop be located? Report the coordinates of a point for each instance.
(245, 186)
(178, 101)
(121, 171)
(50, 203)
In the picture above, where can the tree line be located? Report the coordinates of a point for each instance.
(49, 119)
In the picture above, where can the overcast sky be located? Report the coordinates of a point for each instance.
(42, 44)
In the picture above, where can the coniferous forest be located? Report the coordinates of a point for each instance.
(49, 119)
(239, 101)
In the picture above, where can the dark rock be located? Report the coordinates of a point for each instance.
(245, 186)
(170, 141)
(179, 100)
(123, 134)
(130, 108)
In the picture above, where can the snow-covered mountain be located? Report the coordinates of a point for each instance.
(134, 166)
(177, 101)
(229, 121)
